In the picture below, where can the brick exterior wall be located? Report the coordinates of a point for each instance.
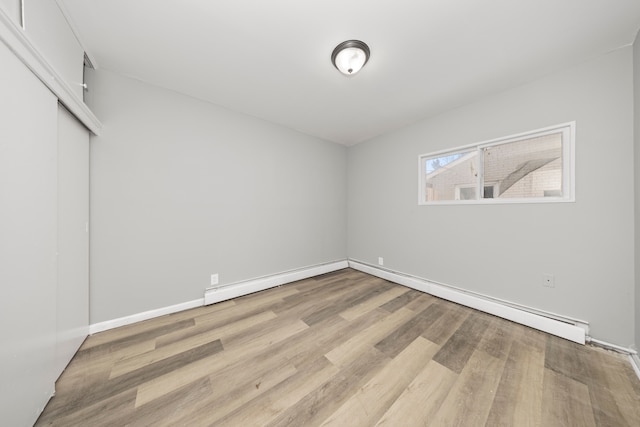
(500, 161)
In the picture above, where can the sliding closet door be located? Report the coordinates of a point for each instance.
(73, 237)
(28, 116)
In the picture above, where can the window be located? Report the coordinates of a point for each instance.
(536, 167)
(468, 192)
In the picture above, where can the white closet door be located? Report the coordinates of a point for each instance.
(73, 237)
(28, 245)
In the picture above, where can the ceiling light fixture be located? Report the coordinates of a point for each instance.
(350, 56)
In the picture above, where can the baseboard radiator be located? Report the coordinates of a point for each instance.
(570, 329)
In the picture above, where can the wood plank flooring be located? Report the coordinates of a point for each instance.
(342, 349)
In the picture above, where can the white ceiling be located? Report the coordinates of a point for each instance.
(271, 58)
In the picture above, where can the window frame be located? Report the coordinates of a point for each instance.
(568, 168)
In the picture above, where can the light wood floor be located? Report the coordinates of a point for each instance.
(342, 349)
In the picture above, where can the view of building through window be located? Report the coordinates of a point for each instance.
(454, 178)
(527, 167)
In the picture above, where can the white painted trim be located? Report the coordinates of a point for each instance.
(613, 347)
(550, 325)
(223, 293)
(14, 37)
(139, 317)
(635, 363)
(565, 319)
(22, 14)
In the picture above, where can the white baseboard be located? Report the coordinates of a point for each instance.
(613, 347)
(224, 293)
(235, 290)
(551, 324)
(635, 363)
(139, 317)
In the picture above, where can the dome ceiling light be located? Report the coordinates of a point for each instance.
(350, 56)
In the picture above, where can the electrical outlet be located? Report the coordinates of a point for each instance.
(380, 261)
(214, 279)
(548, 280)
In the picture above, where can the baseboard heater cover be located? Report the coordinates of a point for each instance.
(559, 328)
(635, 363)
(213, 295)
(555, 327)
(223, 293)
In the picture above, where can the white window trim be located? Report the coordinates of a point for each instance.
(568, 175)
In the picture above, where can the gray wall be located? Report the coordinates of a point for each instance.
(636, 134)
(181, 189)
(503, 250)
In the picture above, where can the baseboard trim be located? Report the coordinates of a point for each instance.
(238, 289)
(213, 295)
(551, 325)
(635, 363)
(139, 317)
(612, 347)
